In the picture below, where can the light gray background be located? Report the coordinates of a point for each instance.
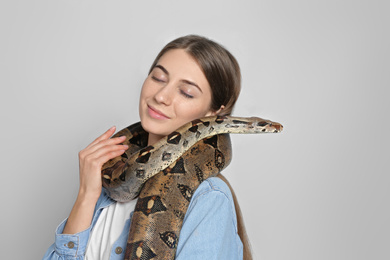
(71, 69)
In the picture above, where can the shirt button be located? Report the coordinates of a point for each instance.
(70, 244)
(118, 250)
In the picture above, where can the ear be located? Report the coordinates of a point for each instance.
(213, 113)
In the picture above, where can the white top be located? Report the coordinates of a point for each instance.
(107, 229)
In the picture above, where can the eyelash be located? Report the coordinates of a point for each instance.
(156, 79)
(185, 94)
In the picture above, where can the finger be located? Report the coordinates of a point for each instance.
(106, 149)
(111, 155)
(103, 143)
(104, 136)
(106, 153)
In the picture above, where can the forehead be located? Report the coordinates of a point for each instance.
(178, 57)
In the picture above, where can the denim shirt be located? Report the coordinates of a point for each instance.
(209, 229)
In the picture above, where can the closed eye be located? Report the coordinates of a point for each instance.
(185, 94)
(157, 79)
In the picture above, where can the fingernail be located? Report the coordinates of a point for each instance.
(125, 146)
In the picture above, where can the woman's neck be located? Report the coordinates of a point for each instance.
(152, 138)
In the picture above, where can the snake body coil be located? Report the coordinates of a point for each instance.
(165, 175)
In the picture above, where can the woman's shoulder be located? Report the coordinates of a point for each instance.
(210, 224)
(211, 190)
(213, 184)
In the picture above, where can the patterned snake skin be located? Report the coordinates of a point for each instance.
(165, 176)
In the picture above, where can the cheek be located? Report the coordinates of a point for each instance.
(143, 95)
(144, 90)
(147, 92)
(148, 88)
(194, 111)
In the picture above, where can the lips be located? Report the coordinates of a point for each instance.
(154, 113)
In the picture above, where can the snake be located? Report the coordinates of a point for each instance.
(165, 175)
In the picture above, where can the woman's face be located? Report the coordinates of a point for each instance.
(174, 93)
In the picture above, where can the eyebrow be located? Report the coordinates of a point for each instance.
(183, 80)
(162, 68)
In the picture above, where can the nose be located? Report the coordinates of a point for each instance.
(164, 95)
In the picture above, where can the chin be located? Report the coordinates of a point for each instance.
(153, 127)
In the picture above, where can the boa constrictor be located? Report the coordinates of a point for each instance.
(164, 176)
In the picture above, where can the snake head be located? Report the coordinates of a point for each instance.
(266, 126)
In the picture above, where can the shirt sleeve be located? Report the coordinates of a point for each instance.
(209, 228)
(73, 246)
(68, 246)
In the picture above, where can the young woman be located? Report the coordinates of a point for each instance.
(192, 77)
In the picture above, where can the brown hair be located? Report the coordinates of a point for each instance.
(224, 77)
(219, 66)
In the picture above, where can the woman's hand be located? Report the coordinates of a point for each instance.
(92, 158)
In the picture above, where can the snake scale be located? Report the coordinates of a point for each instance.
(164, 176)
